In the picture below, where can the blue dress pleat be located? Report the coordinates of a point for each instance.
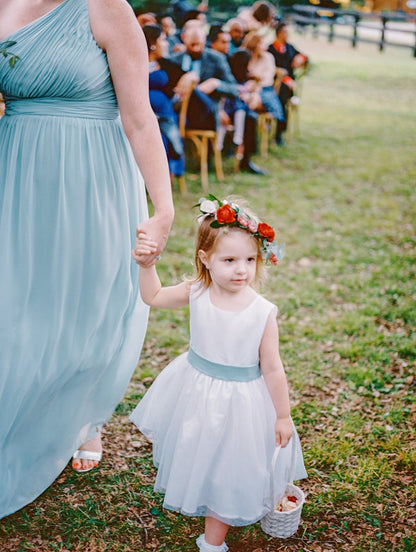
(71, 320)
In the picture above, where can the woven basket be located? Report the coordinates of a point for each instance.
(283, 524)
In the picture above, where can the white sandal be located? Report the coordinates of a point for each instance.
(82, 454)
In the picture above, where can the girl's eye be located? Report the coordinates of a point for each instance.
(251, 259)
(229, 260)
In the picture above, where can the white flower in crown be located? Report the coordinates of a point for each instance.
(208, 206)
(274, 252)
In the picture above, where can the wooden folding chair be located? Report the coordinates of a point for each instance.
(201, 139)
(266, 125)
(294, 104)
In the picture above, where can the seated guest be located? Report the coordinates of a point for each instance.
(175, 44)
(183, 10)
(233, 111)
(288, 59)
(161, 104)
(147, 18)
(259, 19)
(214, 81)
(179, 9)
(262, 68)
(237, 31)
(219, 39)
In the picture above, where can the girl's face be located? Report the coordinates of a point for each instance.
(233, 262)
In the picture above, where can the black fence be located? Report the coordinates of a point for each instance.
(383, 29)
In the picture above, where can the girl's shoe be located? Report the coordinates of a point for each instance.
(91, 455)
(205, 547)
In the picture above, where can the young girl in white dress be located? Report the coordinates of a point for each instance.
(216, 413)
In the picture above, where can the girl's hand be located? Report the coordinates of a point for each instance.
(283, 430)
(151, 238)
(144, 247)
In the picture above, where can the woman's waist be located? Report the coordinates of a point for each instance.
(62, 107)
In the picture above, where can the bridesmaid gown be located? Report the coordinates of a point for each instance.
(71, 320)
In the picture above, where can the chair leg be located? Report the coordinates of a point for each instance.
(218, 160)
(204, 163)
(294, 121)
(263, 139)
(273, 128)
(182, 184)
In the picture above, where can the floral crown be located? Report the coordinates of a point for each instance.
(227, 213)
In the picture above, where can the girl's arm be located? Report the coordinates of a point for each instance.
(151, 290)
(275, 378)
(118, 33)
(154, 295)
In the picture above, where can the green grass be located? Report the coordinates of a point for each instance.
(342, 195)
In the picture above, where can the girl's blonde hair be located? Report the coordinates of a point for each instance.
(207, 239)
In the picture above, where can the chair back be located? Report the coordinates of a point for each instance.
(184, 109)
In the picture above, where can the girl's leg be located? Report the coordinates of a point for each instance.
(215, 531)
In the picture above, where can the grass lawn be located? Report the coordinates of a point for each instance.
(342, 195)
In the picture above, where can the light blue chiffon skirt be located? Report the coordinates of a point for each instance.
(71, 319)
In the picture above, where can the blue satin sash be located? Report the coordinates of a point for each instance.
(223, 371)
(62, 107)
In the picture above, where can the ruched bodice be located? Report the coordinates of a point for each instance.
(71, 195)
(59, 58)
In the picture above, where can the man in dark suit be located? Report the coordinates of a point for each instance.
(212, 73)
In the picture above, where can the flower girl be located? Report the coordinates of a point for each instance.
(216, 413)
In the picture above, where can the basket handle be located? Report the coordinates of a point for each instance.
(273, 466)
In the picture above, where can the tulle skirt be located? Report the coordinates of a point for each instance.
(71, 319)
(213, 441)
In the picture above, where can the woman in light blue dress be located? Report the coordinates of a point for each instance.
(71, 196)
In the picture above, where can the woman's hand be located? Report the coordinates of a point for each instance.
(151, 238)
(283, 431)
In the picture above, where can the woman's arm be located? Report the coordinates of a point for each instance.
(118, 33)
(275, 378)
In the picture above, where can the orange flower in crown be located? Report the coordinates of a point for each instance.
(226, 213)
(266, 231)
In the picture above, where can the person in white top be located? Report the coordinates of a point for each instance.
(262, 69)
(216, 413)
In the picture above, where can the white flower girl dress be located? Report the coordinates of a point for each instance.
(211, 419)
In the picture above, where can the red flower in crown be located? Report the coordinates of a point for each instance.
(266, 231)
(226, 214)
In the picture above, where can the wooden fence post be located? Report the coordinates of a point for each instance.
(355, 31)
(331, 32)
(414, 47)
(383, 32)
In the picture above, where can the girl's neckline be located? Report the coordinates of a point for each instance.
(37, 20)
(232, 311)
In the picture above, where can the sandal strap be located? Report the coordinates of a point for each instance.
(87, 455)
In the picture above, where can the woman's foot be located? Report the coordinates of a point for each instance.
(88, 455)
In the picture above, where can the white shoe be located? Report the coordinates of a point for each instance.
(205, 547)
